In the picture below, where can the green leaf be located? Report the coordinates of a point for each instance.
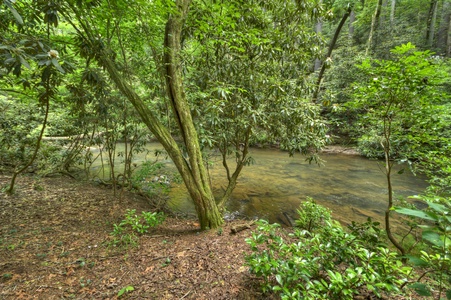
(439, 207)
(128, 288)
(421, 288)
(448, 294)
(24, 62)
(14, 12)
(416, 261)
(414, 213)
(433, 238)
(57, 65)
(279, 279)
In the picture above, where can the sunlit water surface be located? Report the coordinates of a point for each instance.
(354, 188)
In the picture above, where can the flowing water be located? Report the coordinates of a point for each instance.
(353, 187)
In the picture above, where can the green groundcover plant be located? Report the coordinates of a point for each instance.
(125, 233)
(325, 262)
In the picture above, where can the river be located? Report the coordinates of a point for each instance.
(353, 187)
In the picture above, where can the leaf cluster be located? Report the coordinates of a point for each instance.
(246, 77)
(325, 263)
(436, 233)
(125, 232)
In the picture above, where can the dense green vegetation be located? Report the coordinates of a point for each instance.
(321, 260)
(78, 77)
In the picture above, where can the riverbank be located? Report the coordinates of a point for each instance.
(55, 237)
(340, 149)
(54, 245)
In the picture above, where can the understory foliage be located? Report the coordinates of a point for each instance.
(325, 262)
(436, 234)
(400, 101)
(126, 232)
(153, 181)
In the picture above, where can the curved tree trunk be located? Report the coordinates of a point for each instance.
(329, 53)
(191, 168)
(388, 169)
(38, 142)
(198, 183)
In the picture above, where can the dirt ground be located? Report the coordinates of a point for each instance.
(54, 245)
(54, 242)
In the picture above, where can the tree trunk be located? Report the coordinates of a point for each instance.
(198, 183)
(448, 44)
(318, 30)
(41, 135)
(374, 25)
(240, 163)
(443, 31)
(432, 16)
(329, 53)
(351, 24)
(392, 13)
(388, 168)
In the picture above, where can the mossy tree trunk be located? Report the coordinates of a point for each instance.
(197, 181)
(191, 166)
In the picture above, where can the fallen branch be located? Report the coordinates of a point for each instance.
(241, 227)
(72, 137)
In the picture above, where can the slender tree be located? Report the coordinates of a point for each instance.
(431, 20)
(374, 25)
(329, 52)
(443, 33)
(395, 102)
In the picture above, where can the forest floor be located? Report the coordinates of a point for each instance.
(55, 243)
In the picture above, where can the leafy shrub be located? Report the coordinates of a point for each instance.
(328, 263)
(19, 124)
(437, 234)
(125, 233)
(369, 233)
(312, 216)
(149, 181)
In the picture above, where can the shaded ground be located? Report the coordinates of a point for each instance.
(54, 245)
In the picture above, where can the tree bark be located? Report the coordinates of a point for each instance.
(386, 144)
(191, 169)
(432, 16)
(448, 44)
(318, 30)
(392, 13)
(199, 182)
(374, 25)
(39, 140)
(443, 31)
(329, 53)
(351, 24)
